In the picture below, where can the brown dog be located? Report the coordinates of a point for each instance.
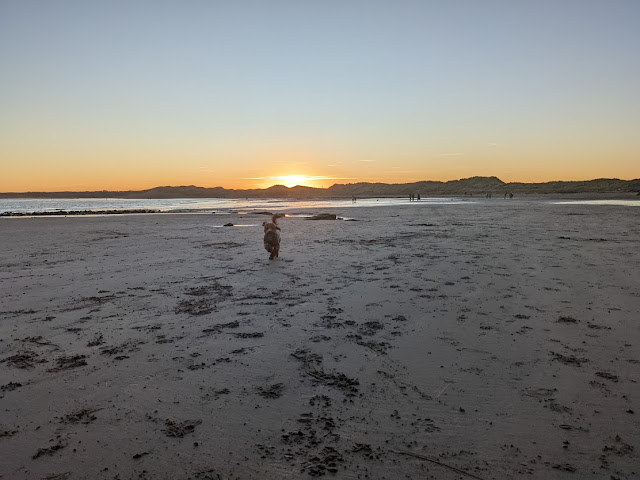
(272, 236)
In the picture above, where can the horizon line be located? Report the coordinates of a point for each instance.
(322, 188)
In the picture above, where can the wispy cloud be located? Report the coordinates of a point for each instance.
(454, 154)
(366, 161)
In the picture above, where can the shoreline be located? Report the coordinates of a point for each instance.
(585, 195)
(292, 204)
(64, 213)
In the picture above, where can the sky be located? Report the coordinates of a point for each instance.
(127, 95)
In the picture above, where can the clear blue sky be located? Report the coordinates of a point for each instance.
(133, 94)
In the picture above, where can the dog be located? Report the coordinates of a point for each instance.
(272, 236)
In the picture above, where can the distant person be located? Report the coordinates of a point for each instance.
(510, 194)
(418, 197)
(353, 199)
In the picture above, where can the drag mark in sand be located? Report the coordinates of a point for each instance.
(447, 385)
(436, 462)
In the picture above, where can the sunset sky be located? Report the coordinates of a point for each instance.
(123, 95)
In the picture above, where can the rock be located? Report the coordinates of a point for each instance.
(567, 320)
(323, 216)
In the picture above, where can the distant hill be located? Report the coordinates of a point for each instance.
(465, 186)
(453, 187)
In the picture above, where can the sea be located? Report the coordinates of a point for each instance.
(238, 205)
(202, 205)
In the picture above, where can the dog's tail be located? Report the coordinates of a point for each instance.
(274, 218)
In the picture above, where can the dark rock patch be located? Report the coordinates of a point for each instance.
(249, 335)
(271, 391)
(567, 320)
(607, 376)
(83, 416)
(23, 360)
(126, 347)
(179, 430)
(9, 387)
(194, 307)
(569, 359)
(69, 362)
(220, 326)
(49, 450)
(97, 340)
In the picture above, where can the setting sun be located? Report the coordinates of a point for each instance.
(293, 180)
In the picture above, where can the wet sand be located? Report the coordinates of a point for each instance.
(496, 340)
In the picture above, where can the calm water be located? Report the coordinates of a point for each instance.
(624, 203)
(203, 205)
(224, 205)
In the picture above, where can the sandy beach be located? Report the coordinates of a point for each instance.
(494, 340)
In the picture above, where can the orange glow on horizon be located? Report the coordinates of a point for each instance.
(61, 184)
(109, 175)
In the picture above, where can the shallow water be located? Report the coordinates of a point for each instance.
(204, 205)
(623, 203)
(224, 206)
